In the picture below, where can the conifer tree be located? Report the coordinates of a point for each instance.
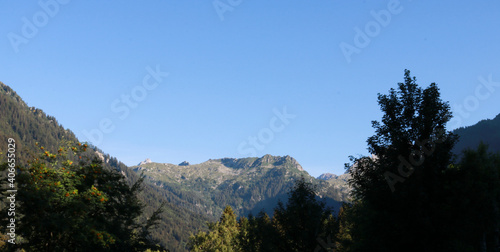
(222, 235)
(301, 223)
(397, 192)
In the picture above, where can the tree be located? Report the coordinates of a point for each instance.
(69, 202)
(343, 235)
(397, 191)
(301, 223)
(257, 233)
(473, 200)
(222, 235)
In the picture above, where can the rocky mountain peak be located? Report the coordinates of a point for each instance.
(4, 89)
(327, 176)
(278, 160)
(266, 160)
(147, 161)
(185, 163)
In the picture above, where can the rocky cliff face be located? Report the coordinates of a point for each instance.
(265, 161)
(185, 163)
(327, 176)
(246, 184)
(147, 161)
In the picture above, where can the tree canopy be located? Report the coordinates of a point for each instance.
(69, 202)
(303, 224)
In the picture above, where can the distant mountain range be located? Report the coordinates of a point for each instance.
(196, 193)
(248, 185)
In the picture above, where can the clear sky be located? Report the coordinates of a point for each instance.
(194, 80)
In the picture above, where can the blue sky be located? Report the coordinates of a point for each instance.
(237, 78)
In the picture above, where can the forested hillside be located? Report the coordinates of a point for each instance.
(29, 126)
(486, 131)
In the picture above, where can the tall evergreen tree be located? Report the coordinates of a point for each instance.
(258, 234)
(397, 192)
(301, 223)
(343, 241)
(222, 235)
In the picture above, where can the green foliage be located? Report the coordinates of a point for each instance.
(343, 232)
(28, 125)
(69, 202)
(304, 224)
(222, 235)
(301, 222)
(256, 233)
(189, 201)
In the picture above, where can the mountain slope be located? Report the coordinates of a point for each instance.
(28, 125)
(338, 185)
(248, 185)
(487, 131)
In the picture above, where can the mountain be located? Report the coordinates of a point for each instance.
(197, 193)
(327, 176)
(28, 125)
(248, 185)
(193, 194)
(338, 184)
(147, 161)
(487, 131)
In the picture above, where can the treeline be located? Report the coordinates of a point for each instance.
(296, 226)
(413, 194)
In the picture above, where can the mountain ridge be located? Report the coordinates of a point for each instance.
(486, 131)
(247, 184)
(247, 162)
